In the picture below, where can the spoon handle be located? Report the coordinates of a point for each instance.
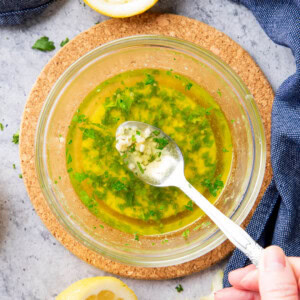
(239, 237)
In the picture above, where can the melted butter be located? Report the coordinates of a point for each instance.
(180, 108)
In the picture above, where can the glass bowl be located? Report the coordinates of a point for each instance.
(150, 51)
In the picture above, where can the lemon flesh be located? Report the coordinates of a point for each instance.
(120, 8)
(97, 288)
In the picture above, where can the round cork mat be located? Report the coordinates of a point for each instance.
(164, 24)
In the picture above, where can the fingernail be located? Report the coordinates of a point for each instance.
(273, 259)
(249, 278)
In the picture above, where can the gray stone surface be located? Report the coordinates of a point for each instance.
(33, 265)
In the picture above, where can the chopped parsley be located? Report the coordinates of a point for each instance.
(132, 149)
(43, 44)
(20, 176)
(79, 118)
(101, 226)
(179, 288)
(169, 72)
(140, 167)
(88, 133)
(124, 103)
(190, 205)
(64, 42)
(15, 138)
(118, 186)
(69, 160)
(188, 86)
(206, 224)
(219, 92)
(1, 127)
(162, 143)
(136, 237)
(197, 227)
(149, 79)
(213, 186)
(80, 176)
(232, 121)
(14, 166)
(186, 233)
(224, 150)
(156, 132)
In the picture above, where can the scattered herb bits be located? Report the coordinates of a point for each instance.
(15, 138)
(43, 44)
(179, 288)
(161, 143)
(190, 206)
(186, 233)
(188, 86)
(64, 42)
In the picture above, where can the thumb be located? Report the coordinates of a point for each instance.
(276, 277)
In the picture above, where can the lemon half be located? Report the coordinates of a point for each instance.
(97, 288)
(120, 8)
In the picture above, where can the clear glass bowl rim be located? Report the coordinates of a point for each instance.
(259, 161)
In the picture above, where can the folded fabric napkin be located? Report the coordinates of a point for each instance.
(276, 220)
(14, 12)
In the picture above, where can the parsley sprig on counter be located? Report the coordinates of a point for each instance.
(15, 138)
(43, 44)
(179, 288)
(64, 42)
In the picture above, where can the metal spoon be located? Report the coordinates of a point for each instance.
(169, 171)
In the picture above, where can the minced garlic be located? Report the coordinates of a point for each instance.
(144, 146)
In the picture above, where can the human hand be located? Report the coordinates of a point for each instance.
(278, 278)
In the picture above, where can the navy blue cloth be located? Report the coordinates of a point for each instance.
(276, 220)
(14, 12)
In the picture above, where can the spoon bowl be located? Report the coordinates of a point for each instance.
(159, 173)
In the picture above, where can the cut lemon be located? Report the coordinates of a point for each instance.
(120, 8)
(97, 288)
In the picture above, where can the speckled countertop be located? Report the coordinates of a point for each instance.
(33, 265)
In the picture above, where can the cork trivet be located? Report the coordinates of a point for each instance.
(165, 24)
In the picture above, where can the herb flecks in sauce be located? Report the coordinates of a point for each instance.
(100, 175)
